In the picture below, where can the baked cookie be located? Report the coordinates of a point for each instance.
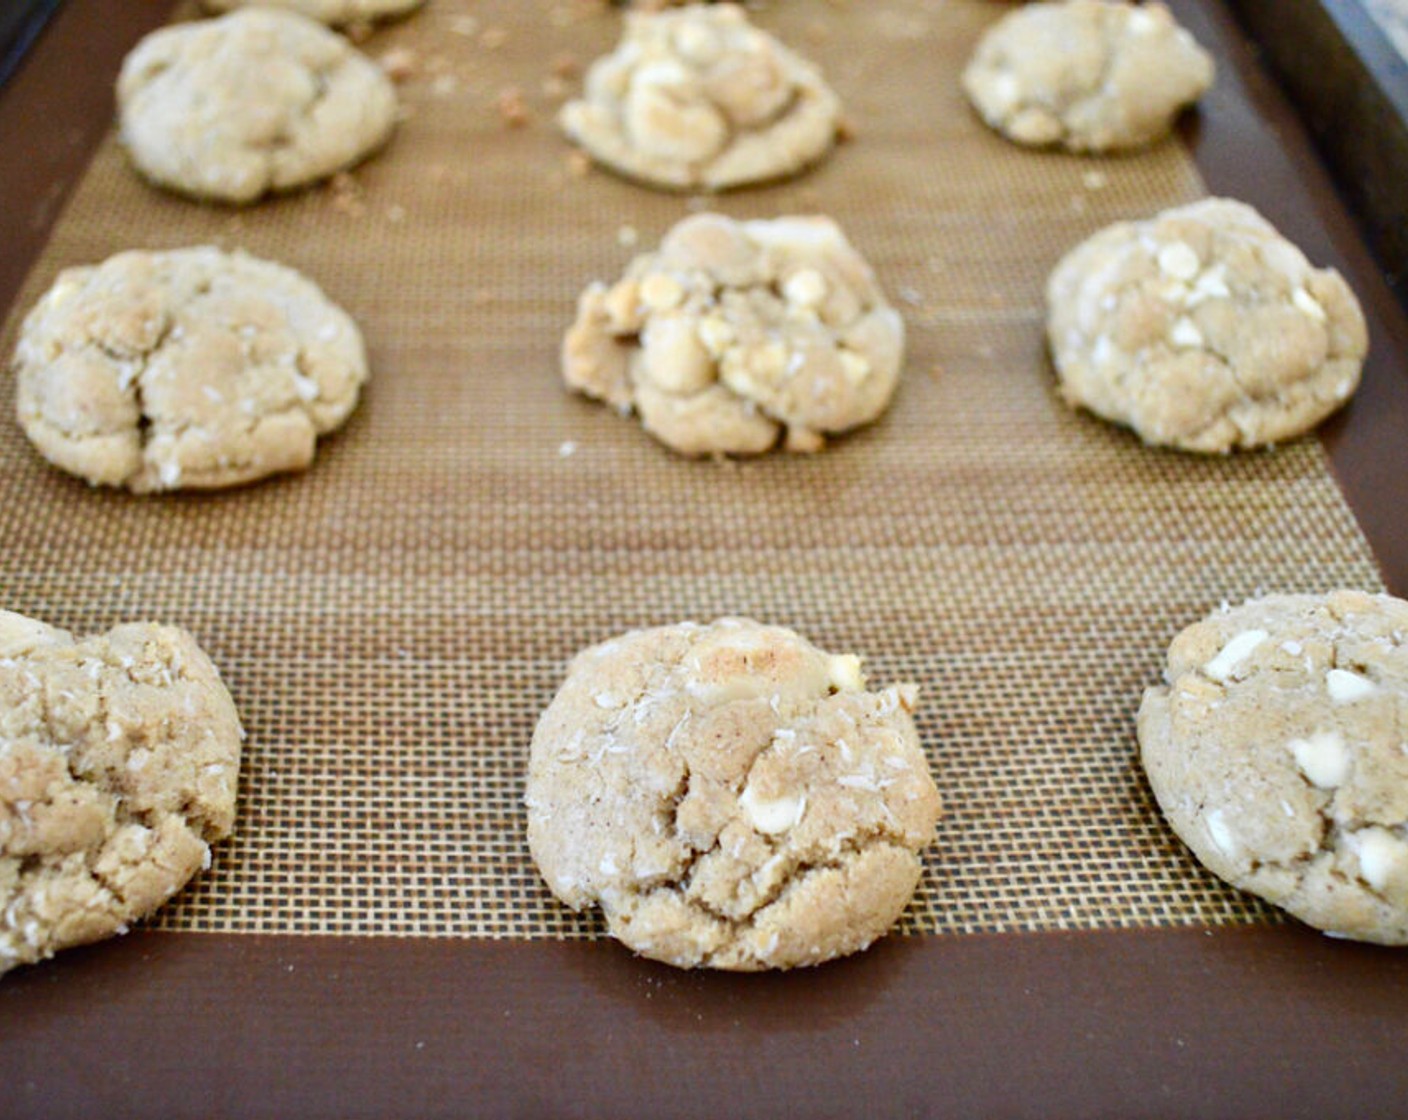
(1088, 75)
(734, 332)
(192, 368)
(1277, 752)
(699, 99)
(119, 757)
(730, 796)
(258, 101)
(334, 12)
(1203, 329)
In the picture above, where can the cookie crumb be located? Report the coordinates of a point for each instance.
(400, 63)
(465, 25)
(493, 38)
(512, 108)
(346, 195)
(566, 449)
(627, 236)
(578, 163)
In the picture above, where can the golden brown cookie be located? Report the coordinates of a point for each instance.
(733, 333)
(730, 796)
(258, 101)
(192, 368)
(119, 759)
(1087, 75)
(1203, 329)
(1278, 750)
(699, 99)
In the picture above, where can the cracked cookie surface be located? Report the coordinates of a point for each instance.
(730, 796)
(699, 99)
(258, 101)
(334, 12)
(1088, 75)
(733, 334)
(1203, 329)
(192, 368)
(119, 759)
(1278, 751)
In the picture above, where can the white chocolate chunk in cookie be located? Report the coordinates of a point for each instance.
(1323, 758)
(1231, 656)
(1346, 687)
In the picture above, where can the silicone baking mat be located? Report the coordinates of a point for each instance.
(392, 622)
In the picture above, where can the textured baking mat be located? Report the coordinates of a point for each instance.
(392, 622)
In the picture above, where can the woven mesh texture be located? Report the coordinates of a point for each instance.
(392, 622)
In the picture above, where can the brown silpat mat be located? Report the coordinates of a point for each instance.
(392, 622)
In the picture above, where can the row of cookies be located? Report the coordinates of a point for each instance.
(812, 292)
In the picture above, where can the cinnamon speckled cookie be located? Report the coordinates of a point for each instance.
(730, 796)
(1087, 75)
(192, 368)
(1278, 750)
(1203, 329)
(119, 758)
(733, 335)
(254, 102)
(699, 99)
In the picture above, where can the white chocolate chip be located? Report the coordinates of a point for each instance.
(772, 817)
(845, 673)
(1309, 304)
(1382, 856)
(660, 292)
(1222, 835)
(716, 335)
(1142, 23)
(1185, 334)
(1179, 260)
(1006, 91)
(1346, 687)
(855, 367)
(305, 387)
(1231, 656)
(805, 288)
(1323, 759)
(1212, 284)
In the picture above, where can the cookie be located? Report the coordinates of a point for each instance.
(1203, 329)
(334, 12)
(1087, 75)
(192, 368)
(732, 333)
(730, 796)
(1276, 750)
(258, 101)
(119, 758)
(699, 99)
